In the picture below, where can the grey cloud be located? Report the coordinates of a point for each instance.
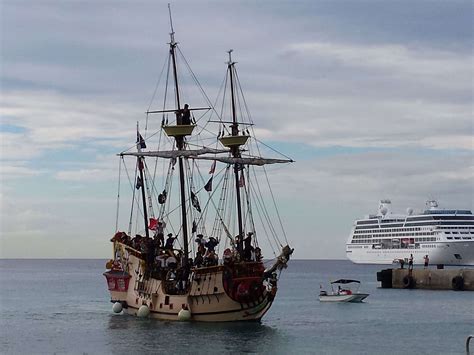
(324, 74)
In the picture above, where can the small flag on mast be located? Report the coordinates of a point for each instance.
(195, 202)
(153, 224)
(139, 183)
(208, 186)
(242, 179)
(213, 167)
(140, 141)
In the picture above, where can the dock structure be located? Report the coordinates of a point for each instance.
(430, 279)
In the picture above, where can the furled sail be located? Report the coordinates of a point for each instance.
(177, 153)
(245, 161)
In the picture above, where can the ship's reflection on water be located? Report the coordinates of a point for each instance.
(127, 332)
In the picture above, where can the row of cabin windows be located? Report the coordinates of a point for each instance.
(456, 228)
(448, 212)
(427, 224)
(395, 230)
(416, 240)
(396, 235)
(378, 230)
(460, 232)
(440, 218)
(372, 241)
(374, 237)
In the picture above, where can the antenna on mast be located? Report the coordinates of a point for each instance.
(171, 24)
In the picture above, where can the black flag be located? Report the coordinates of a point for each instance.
(141, 141)
(139, 183)
(195, 202)
(208, 186)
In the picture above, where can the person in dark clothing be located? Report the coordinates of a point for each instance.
(186, 115)
(248, 248)
(199, 259)
(410, 264)
(211, 244)
(201, 242)
(159, 236)
(169, 242)
(402, 263)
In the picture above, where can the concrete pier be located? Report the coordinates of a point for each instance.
(431, 279)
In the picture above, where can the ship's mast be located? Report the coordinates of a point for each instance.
(180, 146)
(236, 152)
(141, 166)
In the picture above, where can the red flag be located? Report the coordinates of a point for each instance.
(213, 167)
(153, 224)
(242, 180)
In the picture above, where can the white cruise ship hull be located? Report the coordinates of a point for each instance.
(452, 253)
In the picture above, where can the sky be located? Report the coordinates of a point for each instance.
(371, 99)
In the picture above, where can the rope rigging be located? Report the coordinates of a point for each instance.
(225, 218)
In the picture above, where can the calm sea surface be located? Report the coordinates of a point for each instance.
(62, 306)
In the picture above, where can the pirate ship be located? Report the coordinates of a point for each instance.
(200, 207)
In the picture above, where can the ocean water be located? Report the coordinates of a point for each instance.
(62, 307)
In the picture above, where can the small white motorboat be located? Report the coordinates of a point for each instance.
(346, 294)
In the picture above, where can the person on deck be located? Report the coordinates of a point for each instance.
(136, 241)
(211, 258)
(201, 242)
(171, 261)
(410, 263)
(199, 259)
(185, 115)
(402, 263)
(169, 242)
(211, 244)
(227, 257)
(248, 248)
(427, 261)
(161, 261)
(159, 234)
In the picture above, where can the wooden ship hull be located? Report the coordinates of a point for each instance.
(213, 294)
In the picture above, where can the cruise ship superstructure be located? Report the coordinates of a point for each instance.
(445, 235)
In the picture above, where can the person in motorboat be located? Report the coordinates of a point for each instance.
(343, 291)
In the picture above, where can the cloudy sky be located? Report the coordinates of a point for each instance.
(372, 99)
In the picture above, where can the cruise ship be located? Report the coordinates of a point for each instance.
(445, 235)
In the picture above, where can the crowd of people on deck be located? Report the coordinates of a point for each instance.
(164, 262)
